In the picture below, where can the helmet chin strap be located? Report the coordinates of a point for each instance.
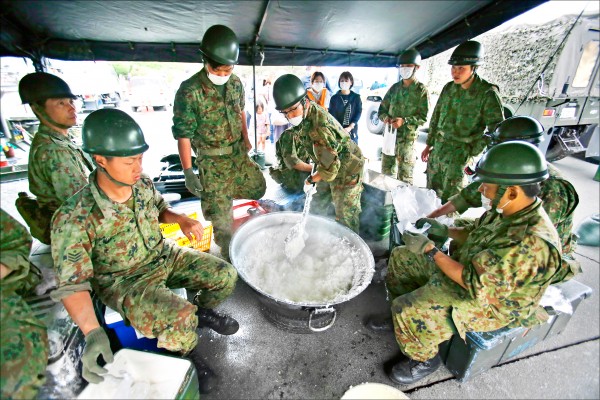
(42, 113)
(498, 196)
(110, 178)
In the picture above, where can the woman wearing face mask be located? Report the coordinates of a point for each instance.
(338, 160)
(317, 91)
(346, 106)
(405, 108)
(208, 115)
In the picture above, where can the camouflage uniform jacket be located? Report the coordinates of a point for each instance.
(410, 103)
(201, 114)
(57, 168)
(287, 157)
(559, 200)
(329, 146)
(15, 245)
(508, 264)
(97, 243)
(462, 115)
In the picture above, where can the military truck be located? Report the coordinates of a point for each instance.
(564, 96)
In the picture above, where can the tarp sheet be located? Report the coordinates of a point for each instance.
(284, 32)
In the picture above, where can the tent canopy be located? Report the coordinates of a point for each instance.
(271, 32)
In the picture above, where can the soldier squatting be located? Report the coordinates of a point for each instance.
(106, 240)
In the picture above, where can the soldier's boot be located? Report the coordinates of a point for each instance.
(408, 371)
(207, 379)
(380, 323)
(220, 323)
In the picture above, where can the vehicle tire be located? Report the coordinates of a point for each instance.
(555, 151)
(117, 100)
(374, 125)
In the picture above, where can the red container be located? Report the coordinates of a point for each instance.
(243, 210)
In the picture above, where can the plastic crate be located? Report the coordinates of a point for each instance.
(243, 210)
(173, 231)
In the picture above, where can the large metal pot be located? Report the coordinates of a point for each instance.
(301, 317)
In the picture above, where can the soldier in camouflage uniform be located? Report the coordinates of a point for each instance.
(495, 279)
(107, 238)
(338, 160)
(559, 197)
(293, 163)
(405, 107)
(209, 116)
(57, 167)
(466, 106)
(23, 338)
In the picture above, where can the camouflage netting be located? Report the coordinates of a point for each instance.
(514, 58)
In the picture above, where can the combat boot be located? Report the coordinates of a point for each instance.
(220, 323)
(408, 371)
(380, 323)
(207, 379)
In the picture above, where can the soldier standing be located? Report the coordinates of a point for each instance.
(467, 105)
(107, 238)
(208, 116)
(293, 163)
(496, 278)
(405, 108)
(57, 167)
(558, 195)
(23, 337)
(338, 160)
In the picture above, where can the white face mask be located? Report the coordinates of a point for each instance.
(486, 203)
(318, 86)
(406, 72)
(345, 85)
(296, 120)
(500, 210)
(218, 80)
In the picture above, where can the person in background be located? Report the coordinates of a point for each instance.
(317, 91)
(263, 127)
(23, 337)
(57, 167)
(346, 106)
(466, 107)
(495, 279)
(208, 115)
(404, 107)
(338, 160)
(107, 238)
(558, 195)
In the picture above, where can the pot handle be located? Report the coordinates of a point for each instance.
(322, 311)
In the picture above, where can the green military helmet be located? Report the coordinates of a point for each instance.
(113, 133)
(411, 56)
(220, 45)
(41, 86)
(512, 163)
(288, 89)
(467, 53)
(519, 127)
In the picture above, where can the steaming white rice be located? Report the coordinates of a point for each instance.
(325, 270)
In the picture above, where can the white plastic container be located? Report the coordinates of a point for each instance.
(143, 375)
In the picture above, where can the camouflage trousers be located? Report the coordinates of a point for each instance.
(422, 303)
(226, 178)
(345, 198)
(149, 305)
(23, 349)
(402, 165)
(445, 168)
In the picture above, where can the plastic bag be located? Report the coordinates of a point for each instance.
(412, 203)
(389, 141)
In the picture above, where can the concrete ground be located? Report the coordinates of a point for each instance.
(264, 361)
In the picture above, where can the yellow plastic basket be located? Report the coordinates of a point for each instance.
(173, 231)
